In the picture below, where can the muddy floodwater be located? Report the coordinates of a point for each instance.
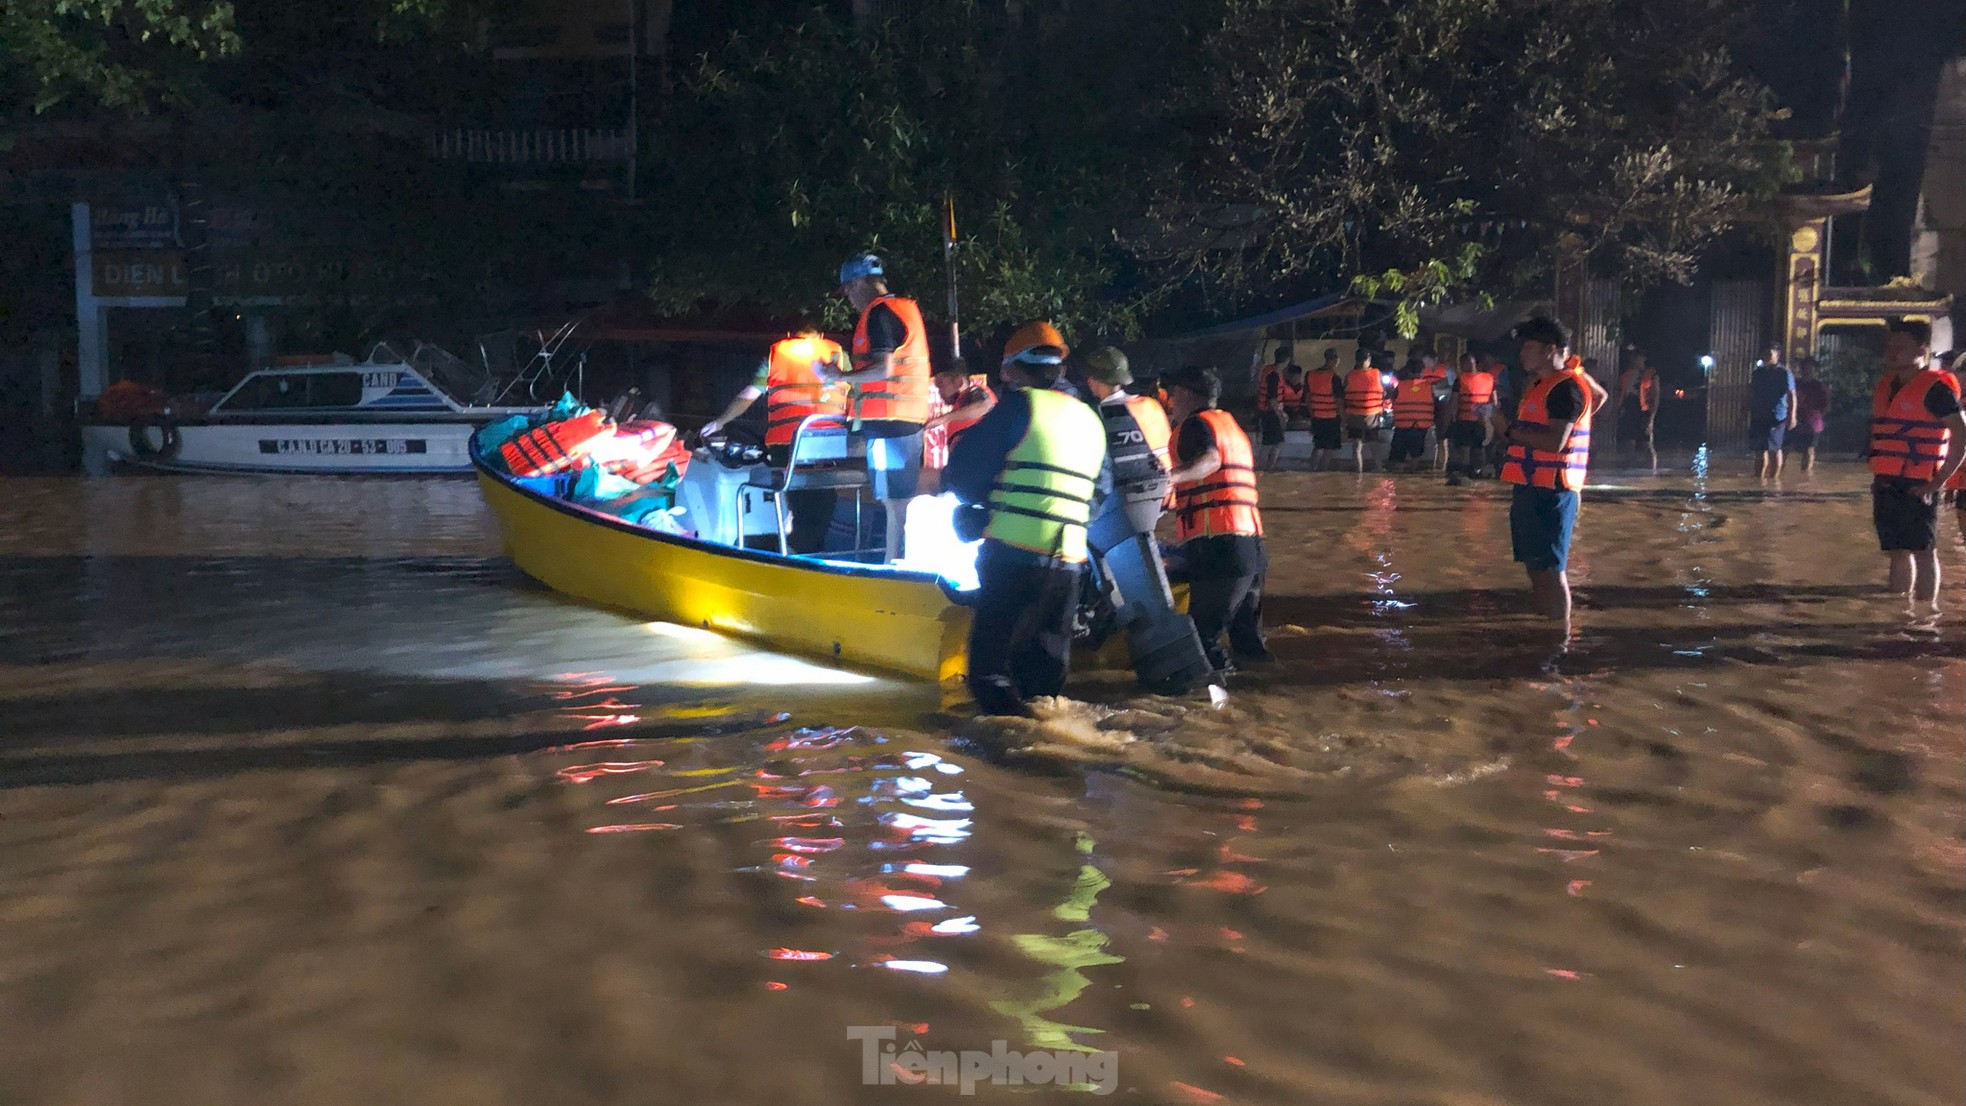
(307, 798)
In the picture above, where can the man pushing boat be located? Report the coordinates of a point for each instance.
(1030, 472)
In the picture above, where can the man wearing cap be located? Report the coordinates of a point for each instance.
(890, 379)
(1218, 527)
(1032, 469)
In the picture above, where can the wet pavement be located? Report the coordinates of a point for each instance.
(306, 797)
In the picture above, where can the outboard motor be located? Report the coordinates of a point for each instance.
(1167, 653)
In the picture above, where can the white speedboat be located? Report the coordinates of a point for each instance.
(393, 413)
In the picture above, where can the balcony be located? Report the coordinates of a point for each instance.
(567, 146)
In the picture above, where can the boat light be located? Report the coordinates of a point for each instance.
(932, 546)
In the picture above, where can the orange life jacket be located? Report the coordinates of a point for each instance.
(903, 394)
(1320, 394)
(1958, 480)
(1436, 374)
(1288, 397)
(641, 451)
(1365, 393)
(1477, 388)
(1642, 385)
(975, 393)
(1413, 405)
(1224, 502)
(793, 392)
(554, 447)
(1539, 468)
(1905, 440)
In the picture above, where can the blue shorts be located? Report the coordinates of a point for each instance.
(1766, 435)
(894, 466)
(1540, 521)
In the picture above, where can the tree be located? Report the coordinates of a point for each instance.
(1455, 143)
(787, 151)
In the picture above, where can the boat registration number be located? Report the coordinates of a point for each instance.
(344, 447)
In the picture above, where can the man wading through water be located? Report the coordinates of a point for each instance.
(1549, 449)
(1030, 471)
(1917, 443)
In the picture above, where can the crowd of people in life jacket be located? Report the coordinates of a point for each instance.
(1064, 487)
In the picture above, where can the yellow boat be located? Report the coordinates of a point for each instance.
(866, 616)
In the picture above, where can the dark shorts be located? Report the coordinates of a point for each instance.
(1540, 522)
(1635, 425)
(1359, 430)
(1468, 435)
(1765, 436)
(1800, 438)
(1271, 425)
(1327, 434)
(1905, 522)
(894, 466)
(1408, 445)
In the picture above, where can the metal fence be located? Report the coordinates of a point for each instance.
(1738, 334)
(530, 147)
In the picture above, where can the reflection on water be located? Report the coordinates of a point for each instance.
(306, 797)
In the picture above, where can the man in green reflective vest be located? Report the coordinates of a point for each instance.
(1031, 470)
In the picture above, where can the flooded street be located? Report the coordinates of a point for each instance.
(306, 797)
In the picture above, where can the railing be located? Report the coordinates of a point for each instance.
(534, 147)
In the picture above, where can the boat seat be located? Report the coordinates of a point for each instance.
(825, 455)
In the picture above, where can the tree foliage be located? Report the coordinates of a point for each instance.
(785, 153)
(1364, 136)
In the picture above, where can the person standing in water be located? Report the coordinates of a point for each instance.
(1917, 444)
(1638, 405)
(1771, 412)
(1218, 525)
(1365, 411)
(1473, 403)
(1032, 469)
(1324, 402)
(1811, 412)
(1548, 454)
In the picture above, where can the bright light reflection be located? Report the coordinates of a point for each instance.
(926, 967)
(943, 871)
(953, 801)
(932, 544)
(955, 926)
(945, 830)
(909, 903)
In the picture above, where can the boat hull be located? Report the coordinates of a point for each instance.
(907, 623)
(342, 448)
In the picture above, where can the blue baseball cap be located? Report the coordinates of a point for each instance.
(858, 266)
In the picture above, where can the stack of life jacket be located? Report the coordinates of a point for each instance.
(641, 451)
(554, 447)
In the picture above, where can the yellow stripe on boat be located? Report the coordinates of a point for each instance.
(864, 616)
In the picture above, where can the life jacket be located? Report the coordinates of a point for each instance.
(1288, 396)
(1644, 386)
(1413, 405)
(1436, 374)
(1477, 389)
(1365, 393)
(793, 392)
(1136, 440)
(975, 393)
(554, 447)
(1224, 502)
(641, 451)
(1043, 497)
(1958, 480)
(1906, 442)
(902, 395)
(1320, 393)
(1563, 469)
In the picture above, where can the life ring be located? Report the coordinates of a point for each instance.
(140, 445)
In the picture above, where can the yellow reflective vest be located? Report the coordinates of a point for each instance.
(1041, 500)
